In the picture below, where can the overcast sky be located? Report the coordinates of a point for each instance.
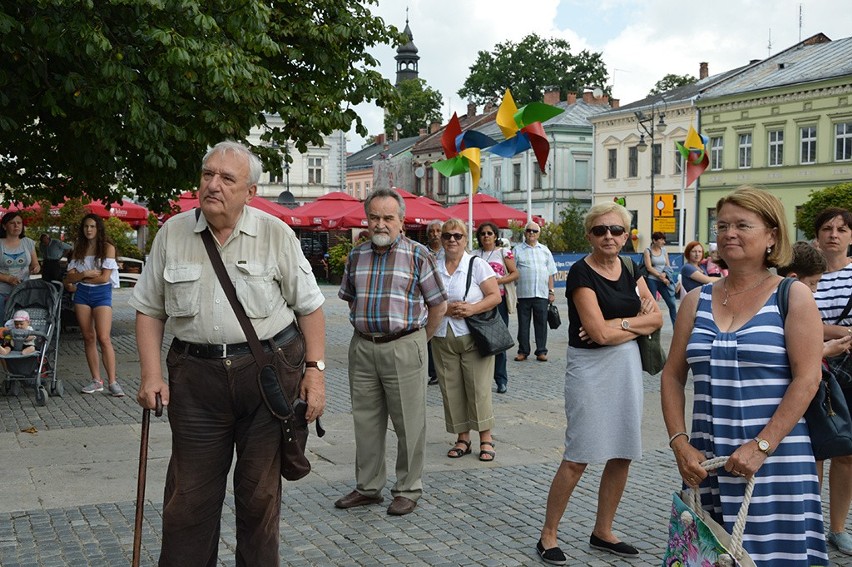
(641, 40)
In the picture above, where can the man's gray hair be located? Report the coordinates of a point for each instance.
(381, 193)
(436, 222)
(255, 166)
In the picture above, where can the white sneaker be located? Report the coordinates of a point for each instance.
(95, 386)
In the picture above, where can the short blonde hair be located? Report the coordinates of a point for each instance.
(601, 209)
(771, 211)
(454, 224)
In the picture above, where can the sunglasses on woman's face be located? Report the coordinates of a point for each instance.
(452, 235)
(486, 233)
(614, 229)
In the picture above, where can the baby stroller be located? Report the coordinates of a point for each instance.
(37, 369)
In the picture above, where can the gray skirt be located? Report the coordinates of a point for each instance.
(603, 404)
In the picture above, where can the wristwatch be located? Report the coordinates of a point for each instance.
(625, 324)
(318, 364)
(764, 446)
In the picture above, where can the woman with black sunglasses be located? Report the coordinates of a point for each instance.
(609, 306)
(502, 261)
(463, 375)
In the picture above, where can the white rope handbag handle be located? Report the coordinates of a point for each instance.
(739, 526)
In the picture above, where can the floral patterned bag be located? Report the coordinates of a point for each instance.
(696, 540)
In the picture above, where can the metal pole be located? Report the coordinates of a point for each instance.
(653, 204)
(529, 185)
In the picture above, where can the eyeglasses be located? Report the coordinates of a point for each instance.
(451, 236)
(723, 227)
(614, 229)
(483, 233)
(531, 231)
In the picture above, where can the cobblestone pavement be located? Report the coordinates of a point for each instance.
(68, 490)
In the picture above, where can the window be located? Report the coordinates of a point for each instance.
(808, 148)
(612, 164)
(776, 148)
(315, 170)
(843, 141)
(633, 162)
(716, 153)
(745, 151)
(678, 161)
(536, 176)
(498, 181)
(366, 187)
(443, 185)
(516, 176)
(462, 184)
(656, 159)
(711, 224)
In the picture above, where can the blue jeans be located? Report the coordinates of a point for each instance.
(656, 286)
(500, 376)
(535, 309)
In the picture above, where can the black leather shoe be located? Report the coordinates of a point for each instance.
(620, 548)
(355, 498)
(501, 389)
(401, 506)
(554, 555)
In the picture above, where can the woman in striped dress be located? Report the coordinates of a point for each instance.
(754, 378)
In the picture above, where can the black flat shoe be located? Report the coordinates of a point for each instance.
(620, 548)
(554, 555)
(501, 389)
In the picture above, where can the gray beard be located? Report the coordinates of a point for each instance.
(381, 240)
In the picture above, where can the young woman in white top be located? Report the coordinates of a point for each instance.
(92, 273)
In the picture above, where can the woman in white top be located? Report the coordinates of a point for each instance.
(17, 256)
(92, 273)
(464, 375)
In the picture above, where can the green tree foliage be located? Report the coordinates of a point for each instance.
(419, 105)
(528, 67)
(670, 82)
(834, 196)
(573, 231)
(108, 96)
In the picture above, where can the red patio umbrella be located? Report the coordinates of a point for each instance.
(132, 213)
(311, 215)
(418, 212)
(188, 201)
(488, 208)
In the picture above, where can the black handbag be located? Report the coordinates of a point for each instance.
(650, 347)
(841, 366)
(280, 392)
(553, 318)
(489, 332)
(828, 419)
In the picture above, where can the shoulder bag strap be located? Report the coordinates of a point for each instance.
(231, 293)
(469, 276)
(846, 311)
(784, 297)
(628, 263)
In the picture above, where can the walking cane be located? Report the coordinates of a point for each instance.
(140, 485)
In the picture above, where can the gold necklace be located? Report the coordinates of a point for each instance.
(727, 295)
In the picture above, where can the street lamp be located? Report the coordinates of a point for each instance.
(651, 124)
(287, 163)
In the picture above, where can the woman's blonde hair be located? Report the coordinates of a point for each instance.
(769, 208)
(455, 224)
(603, 208)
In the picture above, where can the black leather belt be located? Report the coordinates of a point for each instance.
(381, 339)
(236, 349)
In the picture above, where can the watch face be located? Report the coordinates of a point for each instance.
(763, 445)
(625, 324)
(320, 365)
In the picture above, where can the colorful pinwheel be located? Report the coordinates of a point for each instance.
(462, 150)
(694, 152)
(522, 128)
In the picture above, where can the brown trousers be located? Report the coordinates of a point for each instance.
(215, 405)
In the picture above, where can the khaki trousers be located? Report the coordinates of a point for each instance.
(389, 380)
(465, 380)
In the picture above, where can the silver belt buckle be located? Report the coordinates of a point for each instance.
(224, 351)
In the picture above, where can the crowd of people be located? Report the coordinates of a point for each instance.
(754, 364)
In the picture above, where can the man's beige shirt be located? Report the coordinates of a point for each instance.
(264, 259)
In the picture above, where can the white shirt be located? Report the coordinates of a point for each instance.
(455, 286)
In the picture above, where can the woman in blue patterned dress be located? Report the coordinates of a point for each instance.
(754, 378)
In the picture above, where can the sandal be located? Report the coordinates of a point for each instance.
(484, 455)
(457, 452)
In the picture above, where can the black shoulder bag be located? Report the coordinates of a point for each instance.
(841, 365)
(650, 346)
(488, 330)
(828, 418)
(273, 387)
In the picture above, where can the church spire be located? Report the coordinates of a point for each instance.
(406, 56)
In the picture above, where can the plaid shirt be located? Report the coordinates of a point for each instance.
(535, 266)
(389, 292)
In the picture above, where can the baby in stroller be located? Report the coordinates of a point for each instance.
(20, 322)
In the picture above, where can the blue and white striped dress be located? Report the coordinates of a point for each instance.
(740, 378)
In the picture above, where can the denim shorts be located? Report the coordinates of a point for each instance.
(93, 295)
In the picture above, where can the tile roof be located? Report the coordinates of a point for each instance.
(363, 158)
